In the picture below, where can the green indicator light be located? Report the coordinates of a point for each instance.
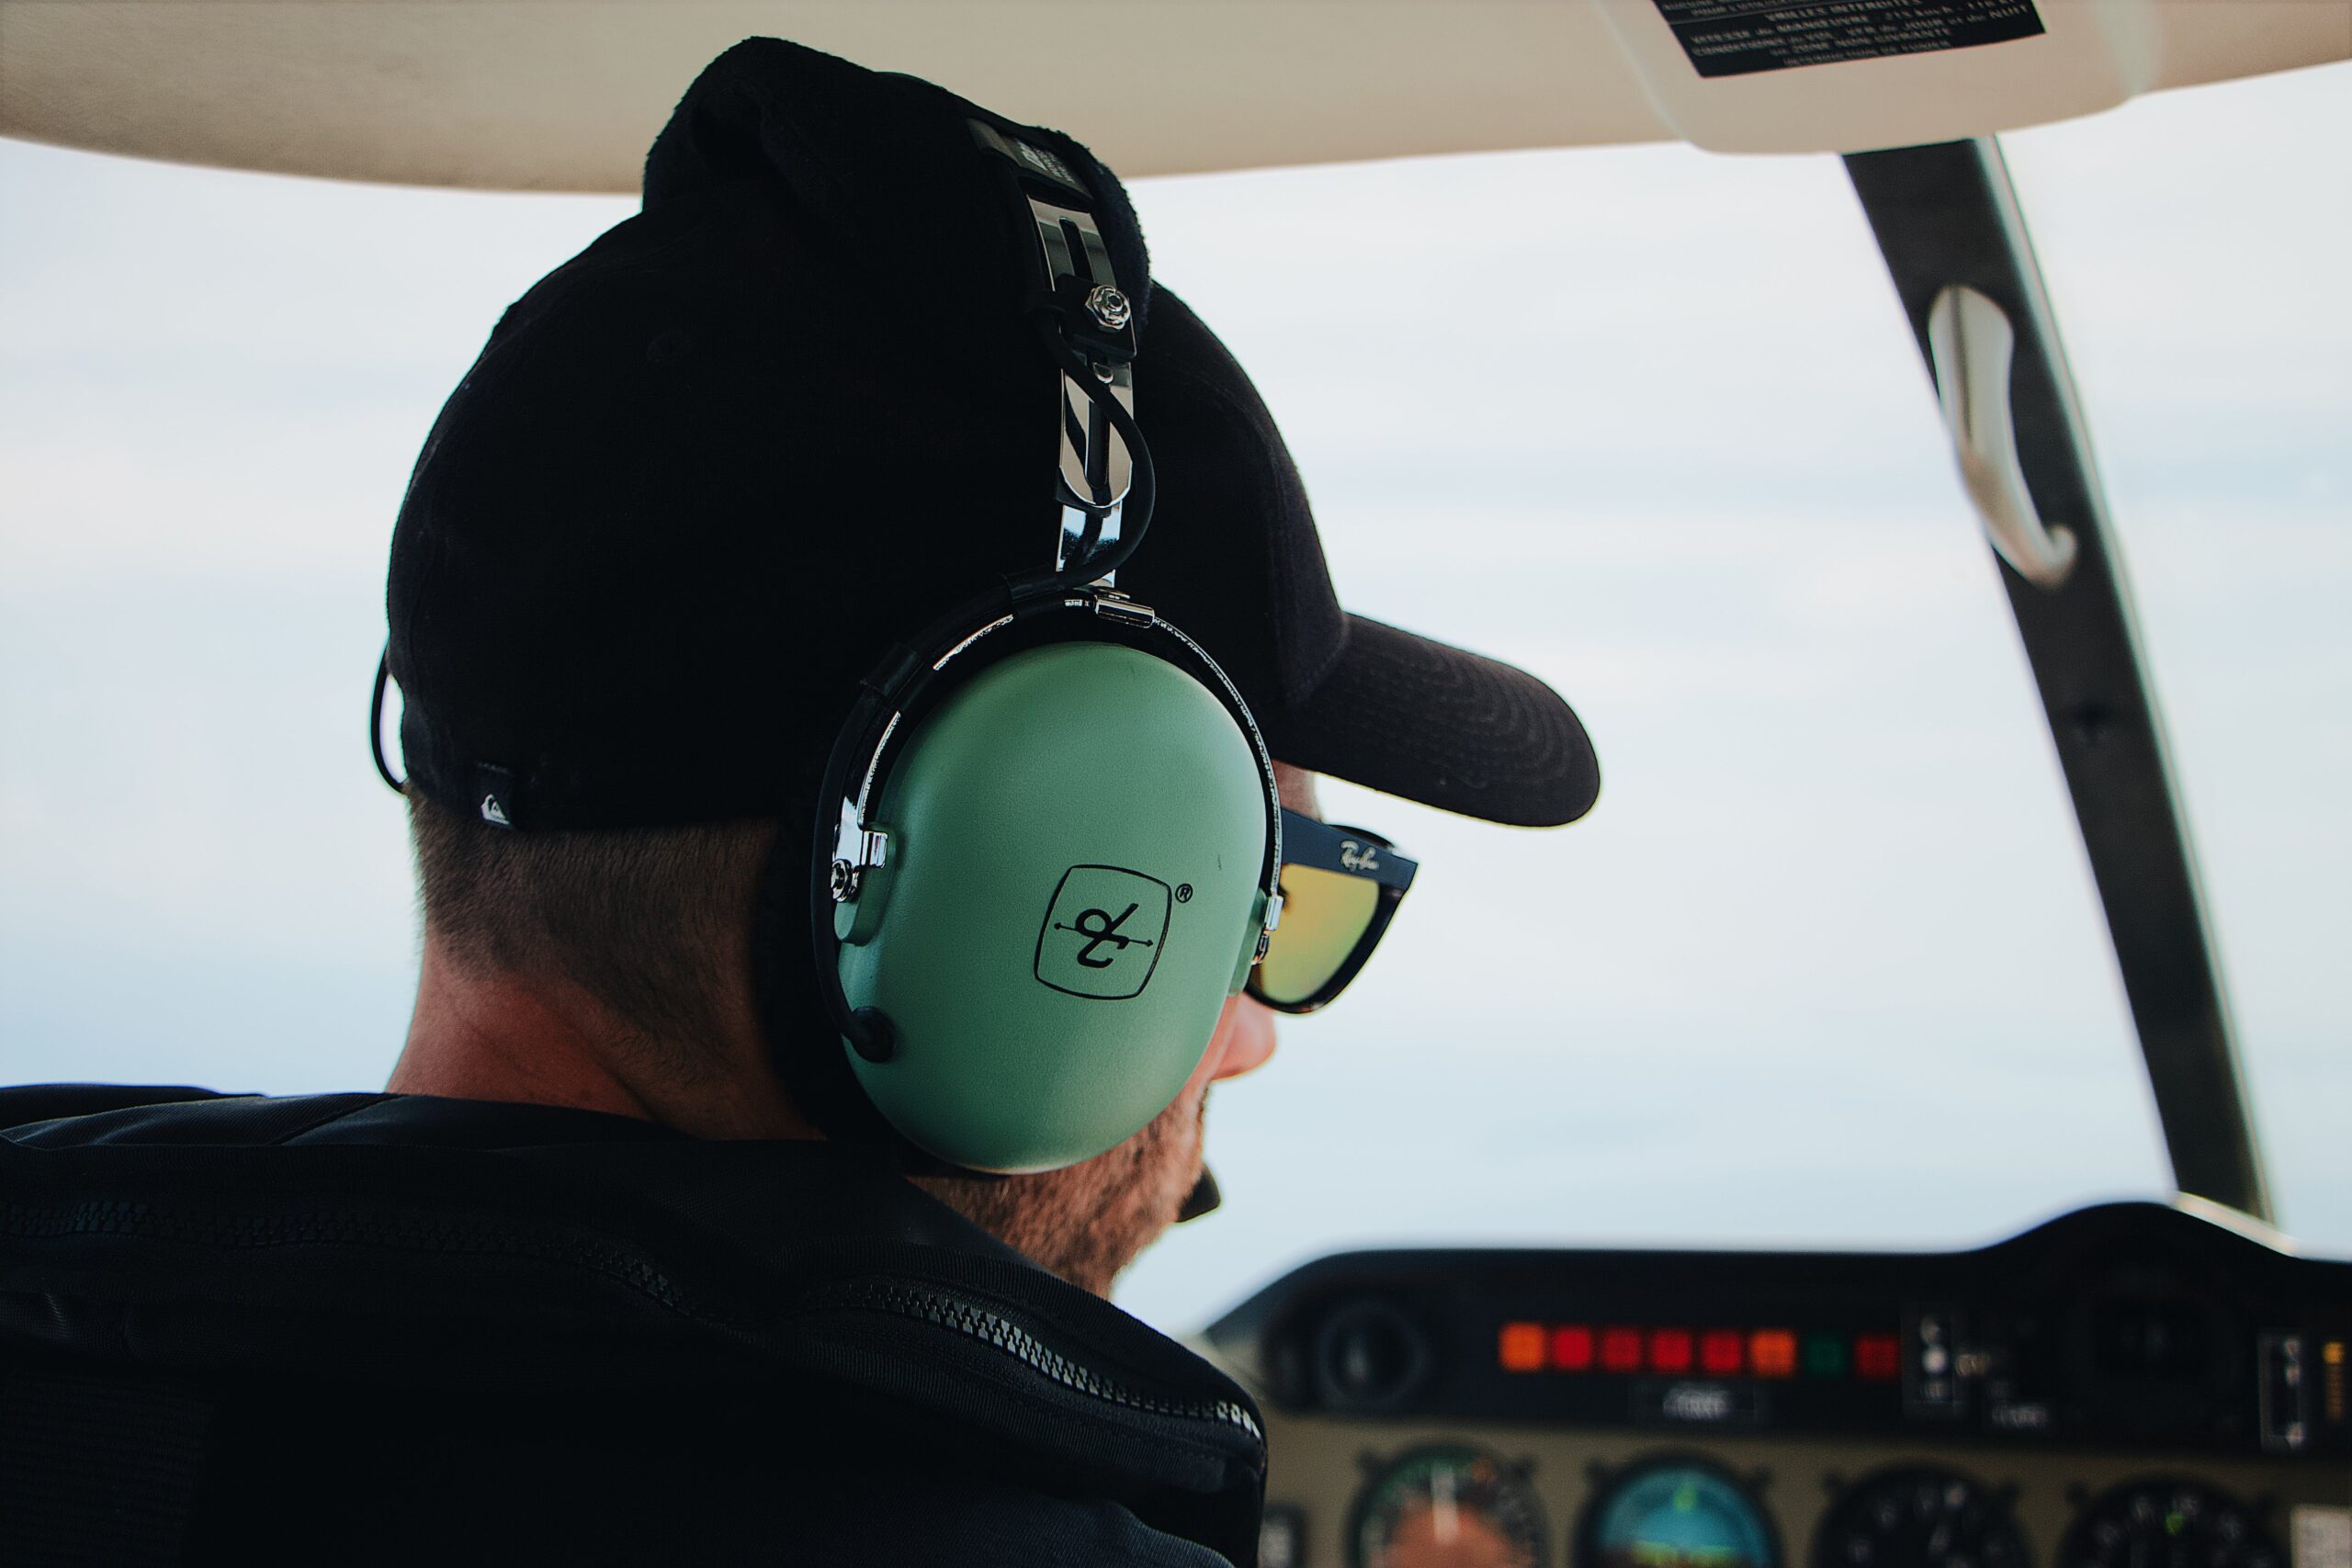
(2176, 1523)
(1825, 1356)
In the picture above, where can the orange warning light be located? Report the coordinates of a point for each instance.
(1522, 1347)
(1772, 1353)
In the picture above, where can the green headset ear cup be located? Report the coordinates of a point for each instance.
(1078, 836)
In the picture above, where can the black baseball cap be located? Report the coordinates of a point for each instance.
(706, 471)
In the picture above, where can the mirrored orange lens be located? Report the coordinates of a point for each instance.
(1325, 913)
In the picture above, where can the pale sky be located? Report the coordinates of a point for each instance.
(1825, 964)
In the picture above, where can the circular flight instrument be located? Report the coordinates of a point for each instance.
(1674, 1512)
(1447, 1506)
(1918, 1517)
(2167, 1522)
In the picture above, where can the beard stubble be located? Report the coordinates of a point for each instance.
(1087, 1221)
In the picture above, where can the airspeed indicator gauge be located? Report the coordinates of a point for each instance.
(1448, 1505)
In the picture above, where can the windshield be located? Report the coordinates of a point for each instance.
(1824, 966)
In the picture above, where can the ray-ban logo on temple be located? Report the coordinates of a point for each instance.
(1104, 930)
(1357, 856)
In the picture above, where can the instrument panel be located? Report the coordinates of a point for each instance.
(2129, 1386)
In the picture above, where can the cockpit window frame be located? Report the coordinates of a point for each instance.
(1947, 216)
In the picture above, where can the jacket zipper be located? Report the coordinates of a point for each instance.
(138, 1219)
(978, 1323)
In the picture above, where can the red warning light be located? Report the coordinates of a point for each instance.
(1878, 1357)
(1669, 1350)
(1721, 1351)
(1621, 1350)
(1572, 1348)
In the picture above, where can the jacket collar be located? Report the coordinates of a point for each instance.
(396, 1236)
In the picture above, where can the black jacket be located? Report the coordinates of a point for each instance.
(372, 1329)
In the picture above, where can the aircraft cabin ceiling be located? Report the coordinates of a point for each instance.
(565, 94)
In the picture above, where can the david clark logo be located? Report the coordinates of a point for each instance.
(1045, 162)
(1104, 931)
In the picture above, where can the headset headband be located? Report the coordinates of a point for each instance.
(1095, 320)
(1105, 481)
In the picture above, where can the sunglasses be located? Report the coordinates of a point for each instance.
(1340, 887)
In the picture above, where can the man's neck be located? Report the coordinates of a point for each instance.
(529, 1038)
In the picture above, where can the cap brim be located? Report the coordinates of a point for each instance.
(1412, 716)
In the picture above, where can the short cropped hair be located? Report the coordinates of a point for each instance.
(653, 923)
